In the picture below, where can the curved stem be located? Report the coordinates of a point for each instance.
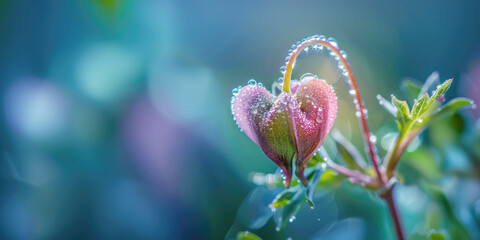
(354, 87)
(388, 196)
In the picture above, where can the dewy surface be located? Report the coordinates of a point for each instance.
(289, 124)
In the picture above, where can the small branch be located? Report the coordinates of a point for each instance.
(354, 176)
(388, 196)
(393, 157)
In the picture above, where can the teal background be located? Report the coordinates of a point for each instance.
(115, 114)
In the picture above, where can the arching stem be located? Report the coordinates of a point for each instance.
(354, 87)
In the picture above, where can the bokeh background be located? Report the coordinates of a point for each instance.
(116, 124)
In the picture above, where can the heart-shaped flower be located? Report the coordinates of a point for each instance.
(287, 125)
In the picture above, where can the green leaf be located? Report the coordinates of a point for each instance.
(447, 109)
(434, 235)
(422, 163)
(454, 227)
(441, 89)
(350, 155)
(330, 179)
(420, 106)
(316, 159)
(287, 214)
(411, 88)
(401, 106)
(432, 79)
(247, 236)
(312, 185)
(387, 105)
(284, 198)
(402, 113)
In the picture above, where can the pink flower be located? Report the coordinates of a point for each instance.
(287, 125)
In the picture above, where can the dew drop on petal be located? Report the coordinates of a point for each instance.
(352, 92)
(252, 82)
(344, 54)
(292, 218)
(235, 92)
(373, 138)
(283, 69)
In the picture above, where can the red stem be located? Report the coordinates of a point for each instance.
(382, 179)
(388, 196)
(353, 85)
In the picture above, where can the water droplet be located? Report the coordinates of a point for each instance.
(283, 69)
(280, 80)
(235, 92)
(365, 112)
(358, 114)
(345, 72)
(273, 209)
(344, 54)
(352, 92)
(373, 138)
(252, 82)
(312, 207)
(340, 65)
(291, 219)
(333, 42)
(307, 77)
(420, 120)
(260, 84)
(277, 229)
(323, 165)
(306, 49)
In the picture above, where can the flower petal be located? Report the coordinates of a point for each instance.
(268, 124)
(249, 101)
(313, 120)
(276, 136)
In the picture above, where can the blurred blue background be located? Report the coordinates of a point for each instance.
(115, 114)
